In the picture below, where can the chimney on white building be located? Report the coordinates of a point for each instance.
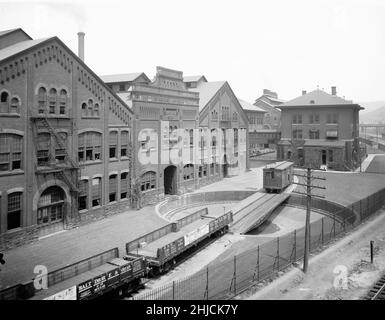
(334, 91)
(81, 45)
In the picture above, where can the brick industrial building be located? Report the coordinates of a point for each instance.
(320, 129)
(70, 144)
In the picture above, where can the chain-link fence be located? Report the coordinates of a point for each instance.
(226, 279)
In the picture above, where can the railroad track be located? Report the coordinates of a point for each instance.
(378, 290)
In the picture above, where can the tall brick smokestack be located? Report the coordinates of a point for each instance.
(81, 45)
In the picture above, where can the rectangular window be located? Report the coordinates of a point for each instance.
(332, 118)
(297, 118)
(123, 185)
(62, 108)
(330, 155)
(123, 143)
(14, 210)
(297, 134)
(96, 192)
(113, 187)
(313, 134)
(113, 143)
(83, 195)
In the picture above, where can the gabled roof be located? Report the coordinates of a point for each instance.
(250, 107)
(124, 77)
(207, 91)
(19, 47)
(317, 98)
(5, 32)
(194, 78)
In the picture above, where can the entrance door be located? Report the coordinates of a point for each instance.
(323, 157)
(170, 185)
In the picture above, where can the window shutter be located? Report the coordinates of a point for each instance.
(113, 183)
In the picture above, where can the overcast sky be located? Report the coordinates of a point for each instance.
(285, 46)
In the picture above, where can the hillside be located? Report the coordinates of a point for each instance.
(375, 116)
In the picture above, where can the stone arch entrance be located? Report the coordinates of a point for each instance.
(51, 206)
(170, 180)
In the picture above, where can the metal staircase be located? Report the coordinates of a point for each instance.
(69, 172)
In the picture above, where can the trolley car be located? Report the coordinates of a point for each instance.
(277, 176)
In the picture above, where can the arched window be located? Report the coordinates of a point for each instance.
(113, 144)
(90, 111)
(148, 181)
(11, 148)
(124, 185)
(96, 192)
(50, 207)
(15, 209)
(84, 110)
(42, 100)
(83, 195)
(4, 102)
(113, 187)
(188, 172)
(52, 101)
(63, 101)
(90, 146)
(96, 110)
(124, 140)
(14, 105)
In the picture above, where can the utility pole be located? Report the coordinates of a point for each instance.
(309, 178)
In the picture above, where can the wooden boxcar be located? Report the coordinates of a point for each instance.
(277, 176)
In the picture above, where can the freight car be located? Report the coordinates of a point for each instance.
(277, 176)
(117, 273)
(164, 252)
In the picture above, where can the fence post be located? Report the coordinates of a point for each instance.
(322, 231)
(235, 274)
(295, 245)
(173, 290)
(207, 283)
(258, 264)
(278, 253)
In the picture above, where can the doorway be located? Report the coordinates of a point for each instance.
(323, 157)
(170, 185)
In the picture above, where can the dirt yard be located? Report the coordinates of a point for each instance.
(341, 272)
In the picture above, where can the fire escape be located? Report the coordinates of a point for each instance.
(66, 169)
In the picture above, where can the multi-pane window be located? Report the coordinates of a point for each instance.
(235, 138)
(313, 134)
(113, 187)
(90, 109)
(52, 101)
(332, 118)
(14, 210)
(4, 102)
(314, 118)
(148, 181)
(60, 151)
(43, 149)
(124, 185)
(51, 205)
(297, 134)
(188, 172)
(122, 87)
(83, 195)
(63, 102)
(297, 118)
(42, 100)
(96, 190)
(90, 146)
(124, 143)
(113, 144)
(235, 116)
(11, 146)
(191, 135)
